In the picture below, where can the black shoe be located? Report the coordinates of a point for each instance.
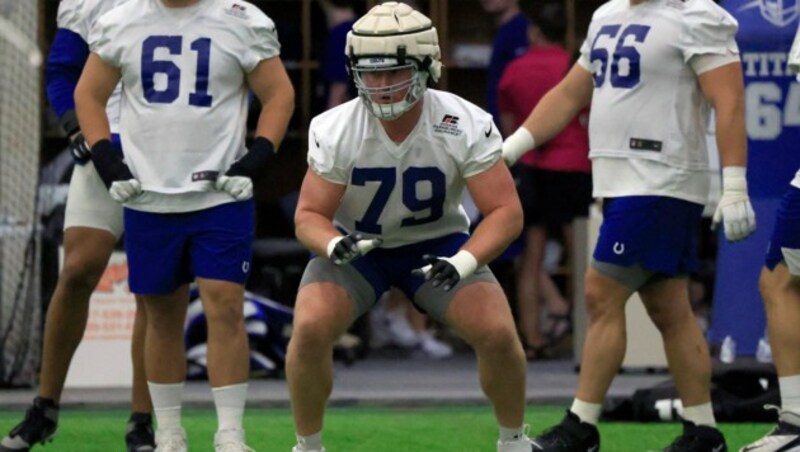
(698, 438)
(39, 426)
(140, 436)
(571, 435)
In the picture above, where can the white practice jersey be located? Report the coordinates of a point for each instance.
(649, 116)
(184, 90)
(796, 180)
(79, 16)
(408, 192)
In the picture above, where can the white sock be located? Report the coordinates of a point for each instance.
(702, 414)
(512, 434)
(166, 403)
(310, 442)
(790, 393)
(587, 412)
(230, 401)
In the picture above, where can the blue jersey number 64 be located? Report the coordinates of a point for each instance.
(151, 66)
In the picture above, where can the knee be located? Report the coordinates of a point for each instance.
(80, 275)
(225, 315)
(497, 338)
(598, 305)
(312, 333)
(667, 320)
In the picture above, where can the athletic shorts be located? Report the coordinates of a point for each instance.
(167, 250)
(784, 245)
(552, 198)
(369, 276)
(89, 204)
(656, 232)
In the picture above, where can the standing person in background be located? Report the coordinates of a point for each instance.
(336, 85)
(510, 41)
(92, 227)
(652, 70)
(554, 183)
(780, 288)
(380, 208)
(186, 67)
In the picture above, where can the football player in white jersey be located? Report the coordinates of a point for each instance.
(652, 70)
(92, 227)
(380, 208)
(185, 67)
(780, 288)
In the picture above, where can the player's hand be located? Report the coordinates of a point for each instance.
(447, 271)
(734, 209)
(123, 191)
(240, 187)
(79, 149)
(346, 248)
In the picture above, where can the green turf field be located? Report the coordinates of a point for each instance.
(365, 429)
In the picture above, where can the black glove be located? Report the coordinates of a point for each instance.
(442, 273)
(259, 154)
(79, 149)
(109, 164)
(344, 249)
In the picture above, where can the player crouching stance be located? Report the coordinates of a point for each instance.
(380, 206)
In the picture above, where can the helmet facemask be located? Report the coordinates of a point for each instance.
(369, 75)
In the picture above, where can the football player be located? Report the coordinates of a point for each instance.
(380, 207)
(780, 289)
(92, 227)
(186, 184)
(652, 70)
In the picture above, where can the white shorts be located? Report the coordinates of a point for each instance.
(89, 204)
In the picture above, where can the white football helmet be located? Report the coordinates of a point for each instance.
(393, 36)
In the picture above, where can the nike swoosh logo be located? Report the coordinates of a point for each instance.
(489, 132)
(316, 141)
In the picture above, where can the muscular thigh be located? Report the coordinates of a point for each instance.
(478, 309)
(89, 205)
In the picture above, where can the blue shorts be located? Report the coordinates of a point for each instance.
(391, 267)
(786, 233)
(656, 232)
(167, 250)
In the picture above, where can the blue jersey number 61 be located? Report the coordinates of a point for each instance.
(174, 46)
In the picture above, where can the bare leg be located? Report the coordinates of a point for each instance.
(604, 346)
(86, 254)
(781, 293)
(528, 271)
(228, 349)
(322, 313)
(480, 313)
(667, 303)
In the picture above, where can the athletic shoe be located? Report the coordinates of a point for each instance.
(139, 436)
(698, 438)
(171, 440)
(571, 435)
(38, 427)
(230, 440)
(784, 437)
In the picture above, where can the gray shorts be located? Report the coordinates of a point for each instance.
(363, 294)
(633, 277)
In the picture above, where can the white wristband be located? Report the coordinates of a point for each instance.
(734, 178)
(518, 143)
(332, 244)
(464, 262)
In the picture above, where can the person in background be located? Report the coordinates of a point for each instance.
(336, 87)
(92, 228)
(780, 288)
(510, 41)
(554, 183)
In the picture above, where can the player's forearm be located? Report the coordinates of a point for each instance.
(552, 114)
(495, 232)
(730, 132)
(275, 115)
(314, 231)
(92, 119)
